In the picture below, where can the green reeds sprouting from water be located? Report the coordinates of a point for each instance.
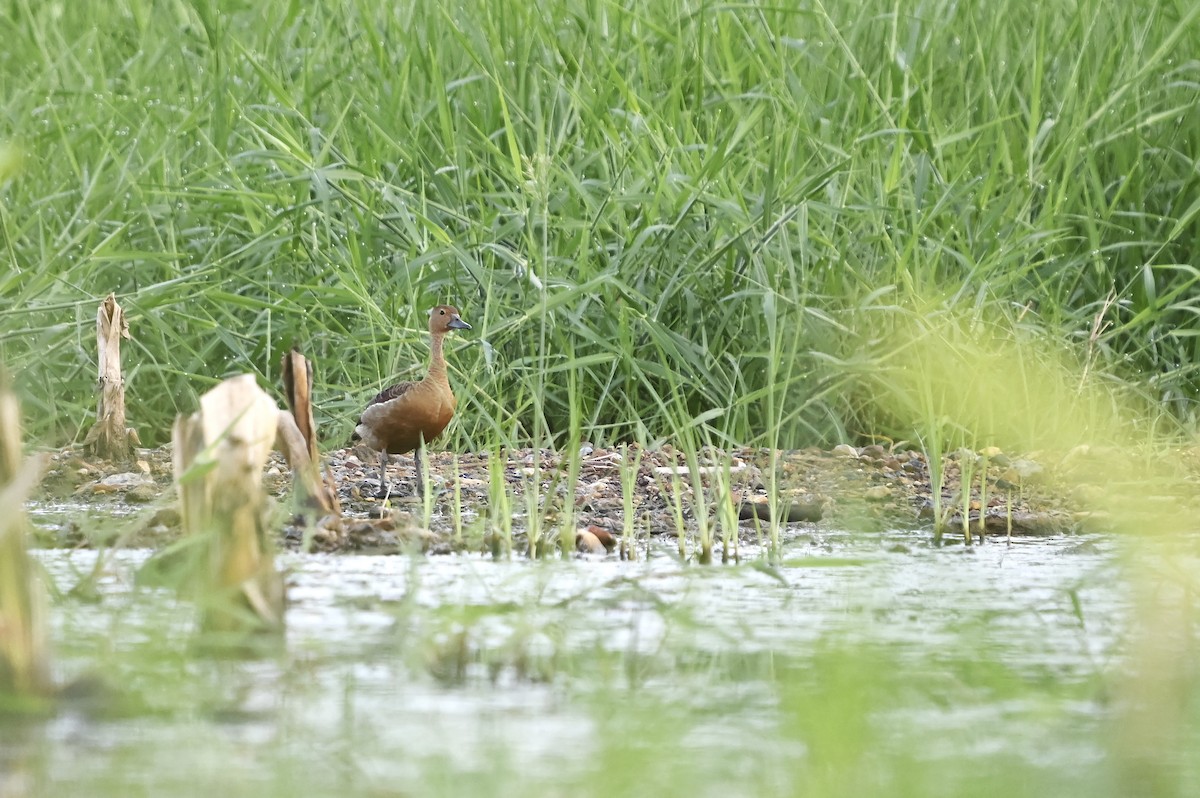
(572, 452)
(966, 471)
(722, 493)
(499, 521)
(456, 508)
(630, 470)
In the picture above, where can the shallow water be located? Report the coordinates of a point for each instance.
(461, 674)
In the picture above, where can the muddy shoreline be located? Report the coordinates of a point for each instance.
(863, 488)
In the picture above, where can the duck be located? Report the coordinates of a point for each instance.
(402, 418)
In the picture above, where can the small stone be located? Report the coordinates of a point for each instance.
(166, 517)
(588, 543)
(1088, 495)
(990, 452)
(143, 466)
(845, 450)
(873, 452)
(1027, 468)
(1080, 451)
(125, 481)
(877, 493)
(1009, 480)
(789, 511)
(141, 494)
(603, 535)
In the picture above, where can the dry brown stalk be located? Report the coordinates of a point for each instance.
(109, 437)
(301, 451)
(220, 451)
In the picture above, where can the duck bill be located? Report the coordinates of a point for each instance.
(458, 324)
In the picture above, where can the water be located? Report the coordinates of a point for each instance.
(462, 675)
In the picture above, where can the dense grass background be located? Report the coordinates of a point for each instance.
(650, 211)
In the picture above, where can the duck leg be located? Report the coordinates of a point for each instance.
(420, 488)
(384, 487)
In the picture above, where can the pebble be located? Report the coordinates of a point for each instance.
(1027, 468)
(845, 450)
(877, 493)
(125, 481)
(603, 535)
(588, 543)
(873, 452)
(142, 494)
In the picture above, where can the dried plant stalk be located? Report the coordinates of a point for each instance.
(109, 437)
(219, 455)
(298, 436)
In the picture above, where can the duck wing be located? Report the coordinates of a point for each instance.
(391, 392)
(386, 395)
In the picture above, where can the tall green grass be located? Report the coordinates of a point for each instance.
(651, 212)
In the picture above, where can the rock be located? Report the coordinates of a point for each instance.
(141, 494)
(1009, 480)
(790, 512)
(877, 493)
(126, 480)
(588, 543)
(1081, 451)
(603, 535)
(1026, 468)
(1088, 495)
(118, 483)
(1039, 524)
(844, 450)
(873, 452)
(990, 452)
(167, 516)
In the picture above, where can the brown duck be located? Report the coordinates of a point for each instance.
(406, 416)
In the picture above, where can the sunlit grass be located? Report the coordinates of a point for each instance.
(627, 202)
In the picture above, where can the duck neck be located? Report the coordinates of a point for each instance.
(437, 363)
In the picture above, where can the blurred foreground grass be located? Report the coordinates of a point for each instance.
(456, 676)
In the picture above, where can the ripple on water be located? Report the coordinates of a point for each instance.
(365, 634)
